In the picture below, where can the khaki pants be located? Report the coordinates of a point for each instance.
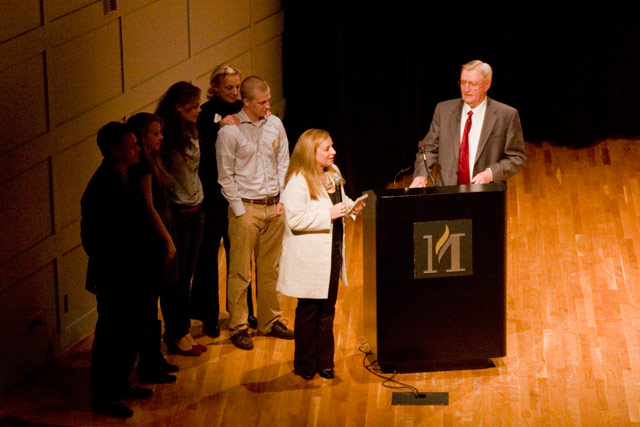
(259, 231)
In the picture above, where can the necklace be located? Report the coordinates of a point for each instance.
(328, 182)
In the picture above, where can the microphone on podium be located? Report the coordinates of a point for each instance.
(422, 146)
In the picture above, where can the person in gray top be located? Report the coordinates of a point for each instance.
(179, 108)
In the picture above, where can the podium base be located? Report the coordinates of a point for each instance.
(408, 398)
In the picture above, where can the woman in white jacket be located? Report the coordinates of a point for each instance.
(312, 257)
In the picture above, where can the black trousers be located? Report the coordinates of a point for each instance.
(115, 348)
(189, 231)
(204, 302)
(151, 359)
(314, 343)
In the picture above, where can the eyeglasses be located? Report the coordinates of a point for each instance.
(472, 85)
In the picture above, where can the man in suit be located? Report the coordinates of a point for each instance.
(475, 139)
(115, 234)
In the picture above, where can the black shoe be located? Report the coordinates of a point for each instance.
(133, 392)
(113, 408)
(279, 330)
(210, 329)
(326, 373)
(252, 321)
(306, 373)
(242, 340)
(156, 377)
(168, 367)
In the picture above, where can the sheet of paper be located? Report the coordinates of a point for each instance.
(359, 200)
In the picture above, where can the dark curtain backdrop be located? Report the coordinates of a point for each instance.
(372, 76)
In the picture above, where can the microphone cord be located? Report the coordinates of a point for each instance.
(370, 366)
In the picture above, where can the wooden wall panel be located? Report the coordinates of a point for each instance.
(229, 16)
(56, 9)
(18, 17)
(72, 169)
(155, 37)
(77, 306)
(25, 216)
(23, 102)
(267, 63)
(28, 325)
(261, 9)
(85, 72)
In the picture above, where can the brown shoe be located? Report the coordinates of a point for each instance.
(242, 340)
(280, 330)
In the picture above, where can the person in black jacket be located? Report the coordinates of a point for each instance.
(116, 236)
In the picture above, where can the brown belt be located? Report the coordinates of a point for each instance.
(267, 201)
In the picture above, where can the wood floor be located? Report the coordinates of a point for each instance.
(573, 322)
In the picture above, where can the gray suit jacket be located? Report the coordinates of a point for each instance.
(501, 146)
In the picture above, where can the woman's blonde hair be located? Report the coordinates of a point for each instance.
(303, 161)
(218, 74)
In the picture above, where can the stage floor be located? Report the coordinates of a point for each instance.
(573, 325)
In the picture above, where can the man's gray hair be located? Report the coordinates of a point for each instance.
(483, 67)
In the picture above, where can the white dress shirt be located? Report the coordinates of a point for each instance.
(252, 160)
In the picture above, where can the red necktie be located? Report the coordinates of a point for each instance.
(463, 160)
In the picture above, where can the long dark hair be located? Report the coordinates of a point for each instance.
(177, 132)
(140, 124)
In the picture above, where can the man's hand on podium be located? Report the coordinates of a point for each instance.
(484, 177)
(419, 182)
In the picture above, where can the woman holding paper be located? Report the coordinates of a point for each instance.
(312, 257)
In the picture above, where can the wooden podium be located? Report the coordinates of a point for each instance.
(434, 277)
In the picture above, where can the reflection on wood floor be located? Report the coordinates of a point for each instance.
(573, 330)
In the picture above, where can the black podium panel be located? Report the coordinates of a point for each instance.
(427, 307)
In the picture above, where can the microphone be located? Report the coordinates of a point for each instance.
(423, 151)
(400, 172)
(336, 184)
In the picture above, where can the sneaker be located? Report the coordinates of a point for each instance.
(242, 340)
(280, 330)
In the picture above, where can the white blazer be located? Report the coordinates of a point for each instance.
(305, 263)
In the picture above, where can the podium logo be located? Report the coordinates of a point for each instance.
(442, 249)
